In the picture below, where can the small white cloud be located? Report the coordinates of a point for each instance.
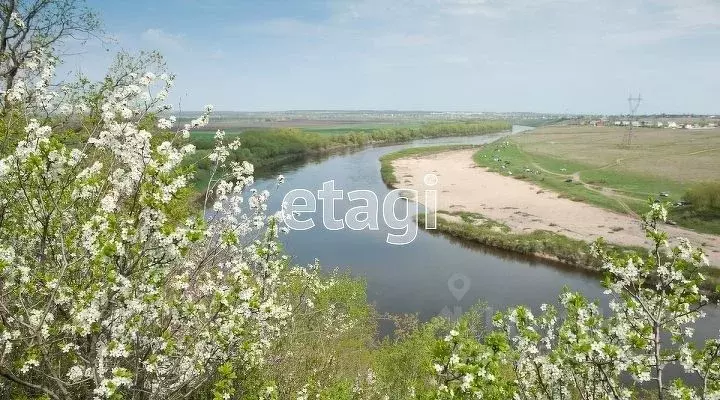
(455, 59)
(470, 8)
(404, 40)
(285, 27)
(693, 14)
(672, 19)
(217, 54)
(161, 40)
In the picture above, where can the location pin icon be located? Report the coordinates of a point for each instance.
(458, 284)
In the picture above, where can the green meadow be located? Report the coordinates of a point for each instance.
(591, 166)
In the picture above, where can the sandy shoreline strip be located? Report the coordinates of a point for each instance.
(525, 207)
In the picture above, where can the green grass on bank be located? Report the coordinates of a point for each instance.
(545, 244)
(387, 172)
(268, 148)
(620, 191)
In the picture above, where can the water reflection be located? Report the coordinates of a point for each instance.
(530, 260)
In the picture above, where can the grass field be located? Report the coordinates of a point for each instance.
(677, 155)
(590, 164)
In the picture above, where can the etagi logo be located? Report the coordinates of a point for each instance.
(366, 214)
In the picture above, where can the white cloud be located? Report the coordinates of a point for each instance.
(163, 41)
(455, 59)
(404, 40)
(217, 54)
(472, 8)
(669, 19)
(694, 13)
(285, 27)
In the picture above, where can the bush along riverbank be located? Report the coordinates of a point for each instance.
(542, 244)
(269, 148)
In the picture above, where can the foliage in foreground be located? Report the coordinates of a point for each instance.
(577, 351)
(111, 288)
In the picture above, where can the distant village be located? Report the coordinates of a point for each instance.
(297, 118)
(710, 122)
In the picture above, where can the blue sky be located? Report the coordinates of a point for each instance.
(579, 56)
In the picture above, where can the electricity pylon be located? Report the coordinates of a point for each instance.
(633, 105)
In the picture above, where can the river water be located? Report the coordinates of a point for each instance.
(434, 274)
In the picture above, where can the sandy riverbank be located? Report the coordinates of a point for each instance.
(524, 207)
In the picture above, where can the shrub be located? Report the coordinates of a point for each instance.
(704, 197)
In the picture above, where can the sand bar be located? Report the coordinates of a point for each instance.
(525, 207)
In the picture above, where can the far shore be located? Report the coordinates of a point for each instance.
(525, 207)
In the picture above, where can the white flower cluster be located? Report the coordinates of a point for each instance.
(581, 353)
(108, 283)
(17, 20)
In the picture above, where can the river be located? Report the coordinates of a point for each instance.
(434, 274)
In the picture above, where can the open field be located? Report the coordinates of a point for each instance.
(589, 164)
(677, 155)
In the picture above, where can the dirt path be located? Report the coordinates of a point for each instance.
(607, 192)
(525, 207)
